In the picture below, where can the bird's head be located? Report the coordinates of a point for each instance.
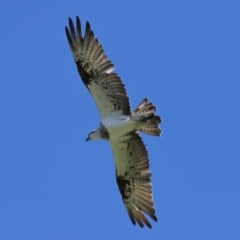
(93, 135)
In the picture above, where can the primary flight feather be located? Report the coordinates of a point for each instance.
(119, 125)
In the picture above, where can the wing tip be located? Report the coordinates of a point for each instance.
(137, 215)
(88, 28)
(69, 38)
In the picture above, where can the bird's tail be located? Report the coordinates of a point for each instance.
(145, 111)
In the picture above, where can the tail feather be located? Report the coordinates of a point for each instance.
(151, 120)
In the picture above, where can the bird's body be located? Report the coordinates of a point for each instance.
(119, 124)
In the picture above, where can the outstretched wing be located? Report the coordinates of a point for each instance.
(95, 70)
(133, 177)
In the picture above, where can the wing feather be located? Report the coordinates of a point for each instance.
(72, 31)
(95, 70)
(79, 30)
(133, 178)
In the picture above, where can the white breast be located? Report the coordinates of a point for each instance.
(119, 126)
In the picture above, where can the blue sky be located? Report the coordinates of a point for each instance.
(183, 55)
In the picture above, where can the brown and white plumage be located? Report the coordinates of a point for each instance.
(133, 177)
(119, 125)
(95, 70)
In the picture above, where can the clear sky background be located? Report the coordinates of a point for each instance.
(183, 55)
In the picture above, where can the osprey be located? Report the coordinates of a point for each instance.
(119, 125)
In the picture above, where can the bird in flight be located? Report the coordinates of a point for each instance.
(119, 125)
